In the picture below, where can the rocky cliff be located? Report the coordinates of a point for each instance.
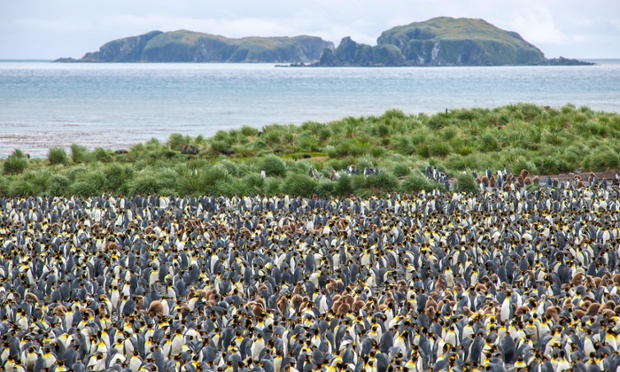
(188, 46)
(442, 41)
(128, 49)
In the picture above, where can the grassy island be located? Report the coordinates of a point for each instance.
(312, 158)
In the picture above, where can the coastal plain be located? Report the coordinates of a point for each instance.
(400, 242)
(519, 280)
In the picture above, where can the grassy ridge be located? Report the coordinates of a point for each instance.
(189, 46)
(499, 46)
(524, 136)
(447, 28)
(190, 38)
(183, 45)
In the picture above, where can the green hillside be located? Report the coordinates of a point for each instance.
(446, 40)
(190, 46)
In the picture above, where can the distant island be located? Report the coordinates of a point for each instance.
(189, 46)
(442, 41)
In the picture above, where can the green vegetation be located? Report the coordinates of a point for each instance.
(16, 163)
(465, 183)
(465, 41)
(57, 155)
(523, 136)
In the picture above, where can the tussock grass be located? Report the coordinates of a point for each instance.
(16, 163)
(57, 155)
(38, 178)
(249, 131)
(57, 185)
(176, 141)
(383, 182)
(213, 175)
(299, 184)
(83, 188)
(274, 166)
(466, 183)
(325, 188)
(91, 182)
(602, 159)
(22, 188)
(415, 183)
(519, 136)
(117, 176)
(102, 155)
(418, 182)
(78, 153)
(401, 169)
(146, 183)
(344, 186)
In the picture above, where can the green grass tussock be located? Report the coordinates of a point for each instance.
(57, 155)
(16, 163)
(57, 185)
(299, 184)
(465, 183)
(78, 153)
(602, 159)
(274, 166)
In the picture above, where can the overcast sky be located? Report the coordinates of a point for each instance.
(48, 29)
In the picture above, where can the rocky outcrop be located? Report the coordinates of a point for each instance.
(442, 41)
(561, 61)
(188, 46)
(128, 49)
(348, 53)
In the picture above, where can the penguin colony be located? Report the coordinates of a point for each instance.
(498, 281)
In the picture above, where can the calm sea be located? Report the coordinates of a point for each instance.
(43, 104)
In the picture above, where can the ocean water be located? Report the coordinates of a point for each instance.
(44, 105)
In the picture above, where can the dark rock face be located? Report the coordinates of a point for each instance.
(350, 53)
(348, 50)
(328, 59)
(567, 62)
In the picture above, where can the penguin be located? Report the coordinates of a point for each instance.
(383, 290)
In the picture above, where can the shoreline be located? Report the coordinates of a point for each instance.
(98, 105)
(361, 156)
